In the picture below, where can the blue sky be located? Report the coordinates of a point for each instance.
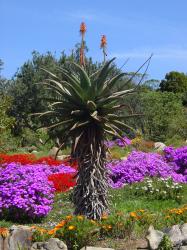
(134, 30)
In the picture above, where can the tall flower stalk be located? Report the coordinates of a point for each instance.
(103, 47)
(82, 32)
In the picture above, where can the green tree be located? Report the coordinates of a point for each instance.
(164, 115)
(26, 94)
(84, 108)
(175, 82)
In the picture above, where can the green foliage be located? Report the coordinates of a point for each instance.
(26, 94)
(78, 232)
(119, 152)
(6, 122)
(165, 244)
(176, 141)
(164, 115)
(8, 143)
(175, 82)
(117, 225)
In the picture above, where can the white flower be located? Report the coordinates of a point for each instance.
(157, 190)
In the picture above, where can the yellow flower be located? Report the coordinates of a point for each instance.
(133, 214)
(167, 217)
(4, 232)
(80, 217)
(71, 227)
(141, 210)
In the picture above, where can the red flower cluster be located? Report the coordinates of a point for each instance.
(19, 158)
(31, 159)
(62, 181)
(49, 161)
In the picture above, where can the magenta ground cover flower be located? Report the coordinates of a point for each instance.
(139, 165)
(25, 189)
(177, 157)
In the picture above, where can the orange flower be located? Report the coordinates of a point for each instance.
(52, 231)
(71, 227)
(109, 227)
(133, 214)
(83, 28)
(61, 224)
(103, 41)
(69, 217)
(4, 232)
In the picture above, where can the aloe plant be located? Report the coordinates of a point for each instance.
(86, 108)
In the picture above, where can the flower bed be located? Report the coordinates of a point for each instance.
(27, 190)
(139, 165)
(32, 159)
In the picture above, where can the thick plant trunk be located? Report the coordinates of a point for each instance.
(91, 192)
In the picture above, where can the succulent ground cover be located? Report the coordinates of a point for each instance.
(139, 165)
(27, 190)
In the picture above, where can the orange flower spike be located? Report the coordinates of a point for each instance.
(103, 41)
(103, 47)
(82, 28)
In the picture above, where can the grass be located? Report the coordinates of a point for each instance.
(123, 200)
